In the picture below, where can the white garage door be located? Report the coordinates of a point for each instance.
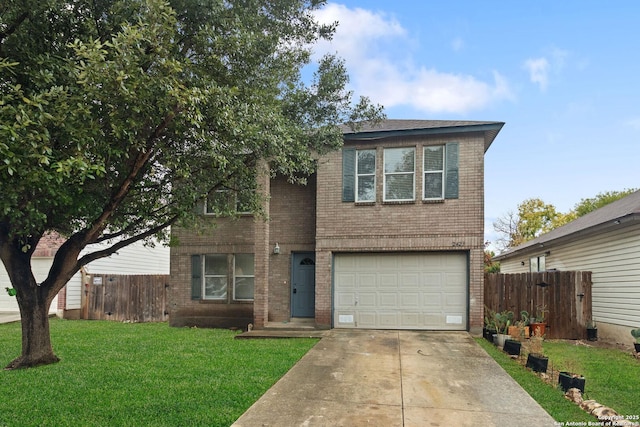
(401, 291)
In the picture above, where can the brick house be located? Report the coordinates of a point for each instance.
(387, 234)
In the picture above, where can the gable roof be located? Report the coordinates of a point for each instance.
(620, 213)
(395, 127)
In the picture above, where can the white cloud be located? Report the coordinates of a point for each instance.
(538, 69)
(541, 69)
(376, 49)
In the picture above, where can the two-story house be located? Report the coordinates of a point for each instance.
(387, 234)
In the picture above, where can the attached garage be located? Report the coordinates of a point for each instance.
(428, 290)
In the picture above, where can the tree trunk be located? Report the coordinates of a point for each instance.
(34, 301)
(36, 339)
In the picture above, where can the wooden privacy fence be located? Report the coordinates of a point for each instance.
(133, 298)
(564, 295)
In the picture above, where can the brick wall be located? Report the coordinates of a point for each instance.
(455, 224)
(314, 218)
(292, 220)
(291, 224)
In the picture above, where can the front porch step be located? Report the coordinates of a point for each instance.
(295, 324)
(295, 328)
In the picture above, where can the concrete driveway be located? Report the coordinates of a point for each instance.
(395, 378)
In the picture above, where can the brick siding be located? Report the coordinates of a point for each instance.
(313, 218)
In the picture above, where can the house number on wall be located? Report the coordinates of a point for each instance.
(457, 244)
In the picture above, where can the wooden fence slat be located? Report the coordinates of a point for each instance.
(567, 298)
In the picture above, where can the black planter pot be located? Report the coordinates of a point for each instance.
(568, 380)
(592, 334)
(512, 347)
(488, 334)
(537, 362)
(636, 345)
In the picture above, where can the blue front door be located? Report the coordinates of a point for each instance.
(303, 284)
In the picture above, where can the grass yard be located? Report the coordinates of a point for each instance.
(612, 378)
(124, 374)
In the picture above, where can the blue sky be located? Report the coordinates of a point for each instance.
(563, 75)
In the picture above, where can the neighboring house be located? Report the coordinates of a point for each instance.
(388, 234)
(40, 264)
(605, 242)
(132, 259)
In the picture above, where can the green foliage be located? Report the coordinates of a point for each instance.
(128, 112)
(489, 265)
(498, 321)
(118, 117)
(601, 199)
(636, 334)
(612, 376)
(122, 374)
(535, 217)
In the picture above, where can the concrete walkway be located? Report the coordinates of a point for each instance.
(395, 378)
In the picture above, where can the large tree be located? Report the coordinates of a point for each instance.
(535, 217)
(117, 117)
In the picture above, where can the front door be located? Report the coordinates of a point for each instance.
(303, 284)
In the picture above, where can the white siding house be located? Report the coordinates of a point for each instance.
(8, 304)
(605, 242)
(132, 259)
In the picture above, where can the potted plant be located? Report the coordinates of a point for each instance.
(592, 331)
(536, 360)
(512, 347)
(489, 329)
(538, 324)
(502, 321)
(520, 329)
(636, 334)
(569, 380)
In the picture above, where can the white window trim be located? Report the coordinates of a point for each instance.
(358, 175)
(413, 175)
(540, 263)
(425, 172)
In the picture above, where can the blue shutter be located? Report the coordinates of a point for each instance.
(451, 171)
(196, 277)
(348, 174)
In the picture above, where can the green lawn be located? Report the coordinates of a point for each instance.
(124, 374)
(612, 378)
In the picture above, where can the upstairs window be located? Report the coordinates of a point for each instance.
(399, 174)
(433, 172)
(221, 202)
(366, 176)
(440, 167)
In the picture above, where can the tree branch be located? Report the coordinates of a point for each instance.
(98, 226)
(86, 259)
(13, 27)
